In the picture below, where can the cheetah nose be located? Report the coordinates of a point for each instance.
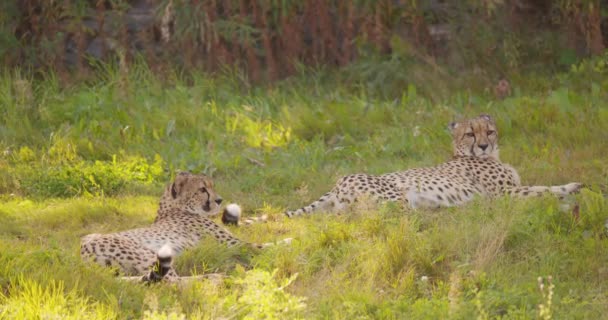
(218, 200)
(483, 147)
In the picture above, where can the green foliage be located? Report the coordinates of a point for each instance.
(263, 297)
(259, 134)
(216, 257)
(76, 178)
(91, 158)
(26, 299)
(387, 76)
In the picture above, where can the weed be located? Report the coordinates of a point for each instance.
(544, 308)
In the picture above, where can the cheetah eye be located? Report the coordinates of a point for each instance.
(469, 134)
(203, 189)
(491, 132)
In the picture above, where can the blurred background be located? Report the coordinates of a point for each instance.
(272, 39)
(95, 95)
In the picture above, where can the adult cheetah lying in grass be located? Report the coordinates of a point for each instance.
(183, 220)
(474, 170)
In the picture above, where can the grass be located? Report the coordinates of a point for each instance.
(95, 157)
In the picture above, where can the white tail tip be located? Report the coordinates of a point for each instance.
(165, 251)
(233, 210)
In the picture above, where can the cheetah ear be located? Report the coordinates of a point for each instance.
(180, 180)
(486, 117)
(173, 191)
(452, 126)
(208, 183)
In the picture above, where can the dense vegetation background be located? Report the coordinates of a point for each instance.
(273, 39)
(101, 102)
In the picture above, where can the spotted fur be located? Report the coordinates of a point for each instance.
(474, 170)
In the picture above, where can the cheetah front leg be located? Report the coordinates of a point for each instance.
(224, 236)
(537, 191)
(328, 201)
(347, 190)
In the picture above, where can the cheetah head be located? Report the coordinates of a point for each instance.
(193, 193)
(477, 137)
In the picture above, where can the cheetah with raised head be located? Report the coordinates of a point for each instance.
(474, 170)
(183, 219)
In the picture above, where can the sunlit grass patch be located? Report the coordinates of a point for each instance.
(68, 176)
(259, 134)
(26, 299)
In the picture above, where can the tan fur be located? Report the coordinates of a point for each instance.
(477, 137)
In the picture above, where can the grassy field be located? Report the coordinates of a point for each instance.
(94, 157)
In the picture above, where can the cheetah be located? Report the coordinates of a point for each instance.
(475, 169)
(183, 219)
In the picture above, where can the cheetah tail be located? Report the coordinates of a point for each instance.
(164, 260)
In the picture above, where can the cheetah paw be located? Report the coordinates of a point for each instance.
(567, 189)
(573, 187)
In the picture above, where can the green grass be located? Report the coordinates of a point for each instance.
(95, 157)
